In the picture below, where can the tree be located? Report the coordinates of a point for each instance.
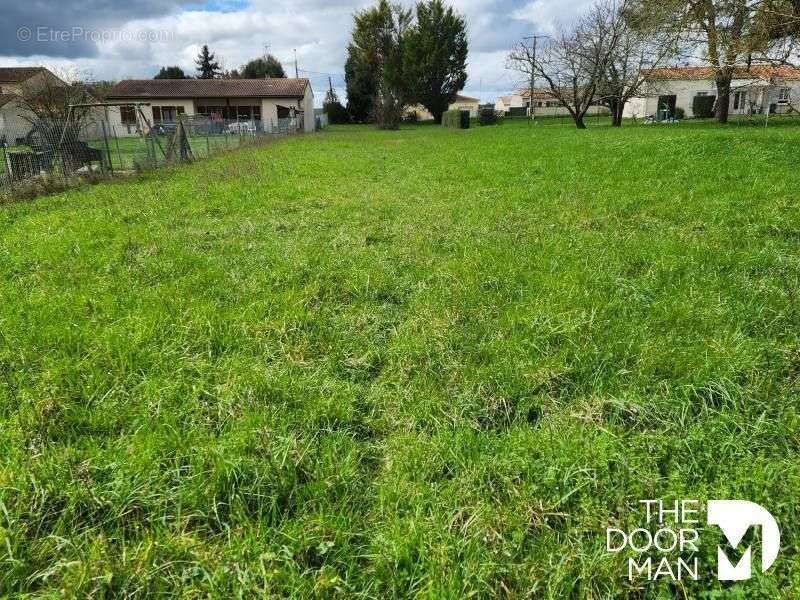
(639, 45)
(362, 87)
(48, 105)
(377, 86)
(336, 112)
(207, 67)
(174, 72)
(436, 57)
(571, 63)
(259, 68)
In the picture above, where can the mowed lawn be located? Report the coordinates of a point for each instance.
(425, 363)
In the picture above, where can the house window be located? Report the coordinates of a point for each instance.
(215, 112)
(127, 115)
(702, 93)
(783, 95)
(739, 100)
(166, 114)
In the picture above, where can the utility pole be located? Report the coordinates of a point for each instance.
(532, 111)
(266, 56)
(296, 72)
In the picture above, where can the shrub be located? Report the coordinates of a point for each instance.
(411, 117)
(488, 116)
(703, 106)
(456, 119)
(680, 114)
(337, 113)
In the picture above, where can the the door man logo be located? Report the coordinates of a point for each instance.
(677, 533)
(735, 517)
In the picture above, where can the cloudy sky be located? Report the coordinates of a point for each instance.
(108, 39)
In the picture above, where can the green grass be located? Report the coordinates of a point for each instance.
(422, 363)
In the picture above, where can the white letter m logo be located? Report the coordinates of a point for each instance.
(735, 517)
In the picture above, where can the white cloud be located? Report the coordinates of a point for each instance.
(318, 29)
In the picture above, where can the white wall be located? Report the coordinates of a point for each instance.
(309, 122)
(12, 123)
(686, 90)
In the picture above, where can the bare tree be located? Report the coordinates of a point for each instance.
(639, 45)
(572, 63)
(49, 98)
(48, 102)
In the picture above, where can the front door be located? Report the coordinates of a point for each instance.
(666, 107)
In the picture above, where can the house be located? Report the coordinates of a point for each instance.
(466, 103)
(460, 103)
(505, 104)
(755, 89)
(267, 103)
(518, 104)
(14, 81)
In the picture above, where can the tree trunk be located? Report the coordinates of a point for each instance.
(579, 122)
(723, 81)
(617, 107)
(437, 117)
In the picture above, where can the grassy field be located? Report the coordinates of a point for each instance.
(425, 363)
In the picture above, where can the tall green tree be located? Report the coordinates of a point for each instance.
(171, 73)
(377, 85)
(333, 108)
(436, 56)
(207, 66)
(259, 68)
(361, 82)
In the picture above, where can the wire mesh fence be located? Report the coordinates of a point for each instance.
(53, 153)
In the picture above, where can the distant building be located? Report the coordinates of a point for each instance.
(460, 103)
(518, 104)
(755, 89)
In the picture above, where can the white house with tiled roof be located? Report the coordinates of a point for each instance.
(755, 89)
(263, 102)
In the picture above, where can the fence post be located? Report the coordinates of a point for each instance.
(7, 162)
(119, 152)
(108, 149)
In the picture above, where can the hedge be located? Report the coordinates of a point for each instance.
(488, 116)
(456, 119)
(703, 106)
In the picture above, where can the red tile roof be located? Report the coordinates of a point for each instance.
(18, 74)
(542, 93)
(765, 72)
(210, 88)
